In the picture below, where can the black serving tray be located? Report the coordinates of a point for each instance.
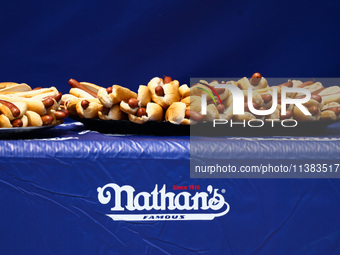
(23, 132)
(157, 128)
(308, 128)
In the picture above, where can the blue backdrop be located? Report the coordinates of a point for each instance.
(45, 43)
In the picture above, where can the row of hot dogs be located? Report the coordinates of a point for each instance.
(324, 103)
(164, 99)
(22, 106)
(161, 100)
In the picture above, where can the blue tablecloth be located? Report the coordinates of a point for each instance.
(56, 187)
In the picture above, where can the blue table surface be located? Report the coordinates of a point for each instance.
(72, 139)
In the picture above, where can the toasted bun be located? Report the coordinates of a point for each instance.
(144, 96)
(104, 98)
(138, 120)
(80, 93)
(33, 119)
(35, 105)
(195, 103)
(114, 113)
(67, 97)
(330, 90)
(330, 94)
(24, 120)
(71, 105)
(328, 115)
(154, 112)
(313, 87)
(38, 93)
(184, 91)
(330, 105)
(14, 87)
(5, 122)
(120, 93)
(176, 114)
(312, 102)
(22, 107)
(7, 84)
(91, 112)
(186, 100)
(127, 109)
(90, 86)
(8, 113)
(300, 116)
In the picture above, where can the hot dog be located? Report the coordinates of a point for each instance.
(255, 82)
(117, 95)
(75, 84)
(132, 105)
(152, 112)
(11, 110)
(24, 107)
(164, 93)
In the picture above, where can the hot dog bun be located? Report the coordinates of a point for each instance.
(184, 91)
(33, 119)
(176, 114)
(170, 91)
(113, 113)
(90, 86)
(5, 122)
(154, 113)
(80, 93)
(13, 87)
(144, 96)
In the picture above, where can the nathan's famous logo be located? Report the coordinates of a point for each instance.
(238, 105)
(168, 205)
